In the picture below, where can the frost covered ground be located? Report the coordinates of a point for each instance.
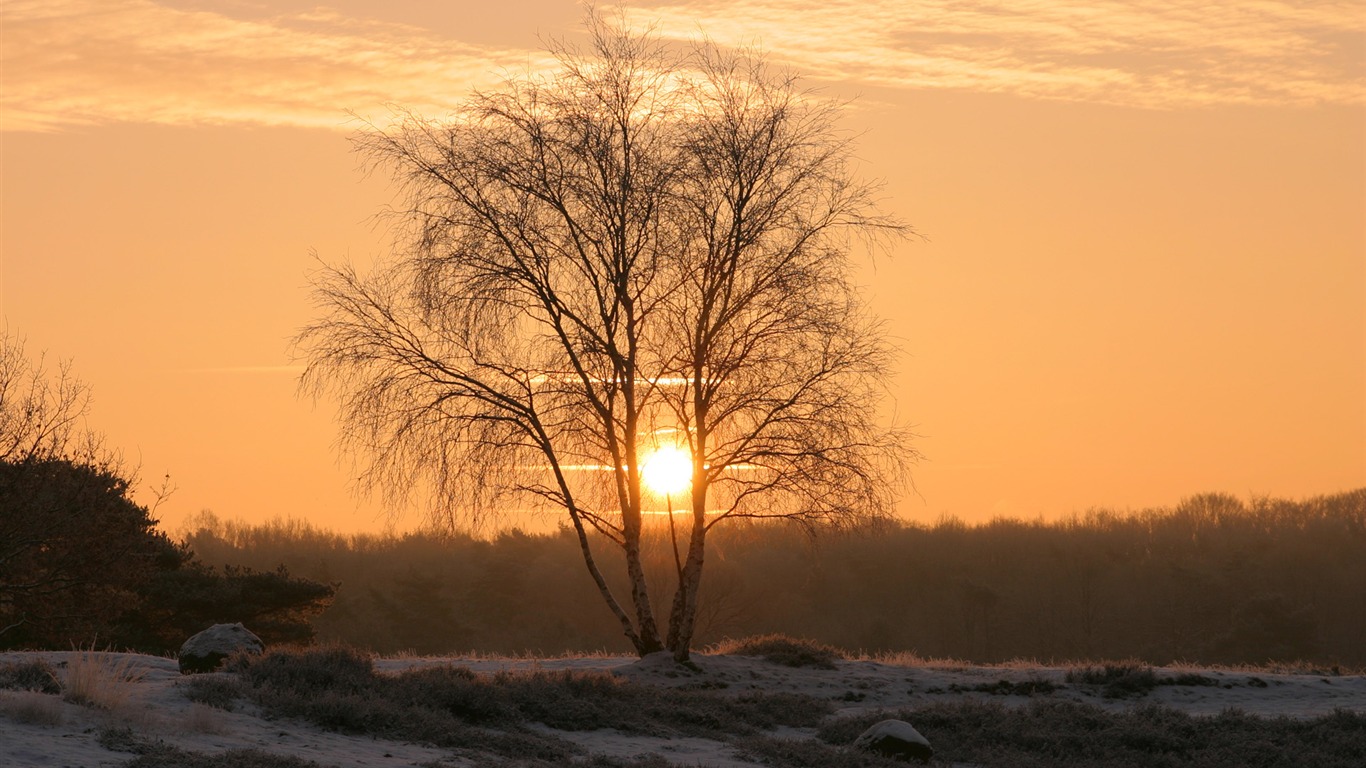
(149, 698)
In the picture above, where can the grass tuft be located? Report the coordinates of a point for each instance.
(100, 680)
(781, 649)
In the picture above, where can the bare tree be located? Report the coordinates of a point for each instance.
(779, 366)
(643, 251)
(42, 412)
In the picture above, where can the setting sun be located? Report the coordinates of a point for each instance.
(1223, 141)
(667, 470)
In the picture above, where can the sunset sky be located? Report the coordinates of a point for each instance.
(1144, 272)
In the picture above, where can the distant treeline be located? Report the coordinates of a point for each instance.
(1213, 580)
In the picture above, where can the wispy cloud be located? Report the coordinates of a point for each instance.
(249, 369)
(79, 62)
(74, 62)
(1158, 53)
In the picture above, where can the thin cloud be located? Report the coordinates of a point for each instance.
(1178, 53)
(82, 62)
(249, 369)
(69, 63)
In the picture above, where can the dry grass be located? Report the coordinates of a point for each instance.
(1278, 668)
(524, 656)
(913, 659)
(202, 718)
(32, 708)
(781, 649)
(100, 680)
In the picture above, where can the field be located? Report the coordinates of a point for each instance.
(778, 703)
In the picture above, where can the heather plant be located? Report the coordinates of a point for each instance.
(1116, 680)
(332, 668)
(35, 675)
(781, 649)
(217, 691)
(1065, 734)
(338, 689)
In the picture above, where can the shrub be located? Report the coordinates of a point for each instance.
(454, 690)
(1117, 680)
(1190, 679)
(784, 650)
(337, 688)
(32, 708)
(216, 691)
(451, 706)
(312, 670)
(36, 675)
(1065, 734)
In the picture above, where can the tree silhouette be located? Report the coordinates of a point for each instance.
(73, 550)
(80, 559)
(42, 412)
(641, 252)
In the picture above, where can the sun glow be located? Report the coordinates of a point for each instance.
(668, 470)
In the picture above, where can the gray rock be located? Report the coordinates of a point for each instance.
(895, 739)
(205, 651)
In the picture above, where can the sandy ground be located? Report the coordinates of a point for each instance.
(41, 730)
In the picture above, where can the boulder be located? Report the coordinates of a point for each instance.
(895, 739)
(205, 651)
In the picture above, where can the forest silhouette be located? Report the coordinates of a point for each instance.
(1213, 580)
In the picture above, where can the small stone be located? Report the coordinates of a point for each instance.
(205, 651)
(895, 739)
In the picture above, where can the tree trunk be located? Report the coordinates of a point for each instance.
(683, 616)
(648, 631)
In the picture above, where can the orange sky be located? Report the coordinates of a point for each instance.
(1145, 274)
